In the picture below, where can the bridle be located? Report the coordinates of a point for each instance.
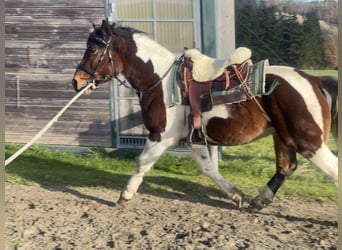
(92, 73)
(93, 80)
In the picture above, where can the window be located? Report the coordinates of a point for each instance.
(174, 24)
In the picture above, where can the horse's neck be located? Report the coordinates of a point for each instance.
(160, 57)
(148, 49)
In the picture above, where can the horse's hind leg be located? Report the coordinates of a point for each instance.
(286, 164)
(146, 160)
(326, 161)
(202, 158)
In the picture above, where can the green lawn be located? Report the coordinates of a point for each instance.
(249, 167)
(333, 73)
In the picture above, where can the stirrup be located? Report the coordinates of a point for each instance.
(196, 136)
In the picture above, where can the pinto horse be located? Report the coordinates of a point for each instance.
(298, 115)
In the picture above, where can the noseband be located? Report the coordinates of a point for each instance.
(92, 73)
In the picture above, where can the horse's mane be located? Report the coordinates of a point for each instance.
(122, 31)
(116, 30)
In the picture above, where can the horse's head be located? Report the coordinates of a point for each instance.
(100, 62)
(113, 50)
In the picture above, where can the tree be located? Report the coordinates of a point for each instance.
(279, 36)
(268, 37)
(245, 23)
(291, 38)
(312, 51)
(256, 29)
(330, 52)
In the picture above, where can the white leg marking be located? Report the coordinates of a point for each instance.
(202, 158)
(153, 150)
(325, 160)
(146, 160)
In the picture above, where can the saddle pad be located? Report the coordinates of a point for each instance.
(255, 81)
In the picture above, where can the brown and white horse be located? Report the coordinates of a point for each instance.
(299, 113)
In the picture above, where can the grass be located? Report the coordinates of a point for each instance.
(249, 167)
(333, 73)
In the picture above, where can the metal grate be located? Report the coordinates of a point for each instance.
(135, 142)
(138, 142)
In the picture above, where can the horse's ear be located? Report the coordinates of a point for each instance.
(94, 26)
(104, 25)
(106, 28)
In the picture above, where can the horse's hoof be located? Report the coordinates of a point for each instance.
(238, 198)
(257, 204)
(252, 209)
(122, 200)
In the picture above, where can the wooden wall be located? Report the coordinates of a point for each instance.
(45, 40)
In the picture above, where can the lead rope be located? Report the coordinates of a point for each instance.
(47, 126)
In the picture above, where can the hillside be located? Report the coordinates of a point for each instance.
(289, 32)
(327, 10)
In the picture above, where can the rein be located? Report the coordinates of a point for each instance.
(141, 93)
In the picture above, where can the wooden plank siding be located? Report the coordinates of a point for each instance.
(44, 41)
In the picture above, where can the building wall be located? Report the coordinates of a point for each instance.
(44, 42)
(218, 27)
(225, 27)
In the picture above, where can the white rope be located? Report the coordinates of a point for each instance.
(47, 126)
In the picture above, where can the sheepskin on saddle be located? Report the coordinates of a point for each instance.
(206, 69)
(199, 75)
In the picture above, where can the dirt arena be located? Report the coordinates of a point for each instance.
(88, 218)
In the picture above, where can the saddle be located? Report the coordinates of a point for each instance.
(205, 68)
(199, 75)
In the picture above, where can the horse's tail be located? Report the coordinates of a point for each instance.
(330, 86)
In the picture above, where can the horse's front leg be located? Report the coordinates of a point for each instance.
(146, 160)
(153, 150)
(202, 158)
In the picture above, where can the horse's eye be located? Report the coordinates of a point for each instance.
(92, 50)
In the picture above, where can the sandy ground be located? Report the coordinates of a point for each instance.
(88, 218)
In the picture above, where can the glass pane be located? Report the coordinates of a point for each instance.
(166, 9)
(134, 9)
(175, 35)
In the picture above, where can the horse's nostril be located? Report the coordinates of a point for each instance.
(74, 84)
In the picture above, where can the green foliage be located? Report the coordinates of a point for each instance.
(279, 36)
(312, 46)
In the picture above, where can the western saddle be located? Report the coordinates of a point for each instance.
(200, 74)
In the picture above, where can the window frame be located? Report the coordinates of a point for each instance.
(112, 15)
